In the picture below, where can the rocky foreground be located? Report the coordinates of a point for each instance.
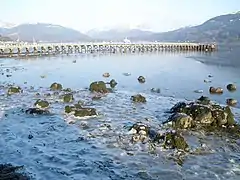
(191, 118)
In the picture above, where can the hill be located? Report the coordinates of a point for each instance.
(43, 32)
(221, 29)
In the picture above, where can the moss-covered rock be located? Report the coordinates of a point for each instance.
(230, 116)
(69, 109)
(67, 90)
(56, 87)
(182, 121)
(201, 114)
(138, 98)
(82, 112)
(203, 100)
(67, 98)
(98, 86)
(174, 140)
(78, 111)
(180, 107)
(42, 104)
(231, 87)
(141, 79)
(14, 90)
(204, 114)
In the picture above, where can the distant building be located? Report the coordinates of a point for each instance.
(126, 40)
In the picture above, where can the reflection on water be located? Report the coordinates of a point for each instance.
(98, 148)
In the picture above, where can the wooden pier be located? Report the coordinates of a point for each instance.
(21, 49)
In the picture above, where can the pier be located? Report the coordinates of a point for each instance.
(24, 49)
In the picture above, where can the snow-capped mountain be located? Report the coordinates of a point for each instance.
(43, 32)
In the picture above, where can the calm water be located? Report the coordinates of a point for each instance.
(99, 148)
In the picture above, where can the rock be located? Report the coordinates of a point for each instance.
(78, 111)
(97, 97)
(69, 109)
(127, 74)
(47, 95)
(106, 75)
(82, 112)
(198, 91)
(180, 107)
(182, 121)
(204, 114)
(113, 83)
(231, 87)
(231, 102)
(67, 98)
(56, 87)
(230, 116)
(42, 104)
(37, 111)
(201, 114)
(140, 132)
(156, 90)
(174, 140)
(14, 90)
(207, 81)
(98, 86)
(214, 90)
(219, 116)
(10, 172)
(138, 98)
(203, 100)
(141, 79)
(67, 90)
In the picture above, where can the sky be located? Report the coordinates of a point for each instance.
(84, 15)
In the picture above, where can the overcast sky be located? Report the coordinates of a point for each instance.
(83, 15)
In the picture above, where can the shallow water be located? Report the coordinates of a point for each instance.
(99, 148)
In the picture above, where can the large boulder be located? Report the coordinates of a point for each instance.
(201, 113)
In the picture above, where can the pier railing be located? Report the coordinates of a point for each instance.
(16, 49)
